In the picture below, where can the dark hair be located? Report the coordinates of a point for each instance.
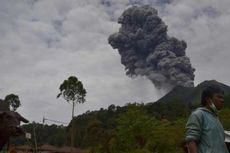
(209, 92)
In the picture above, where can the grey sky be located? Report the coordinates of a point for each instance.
(44, 42)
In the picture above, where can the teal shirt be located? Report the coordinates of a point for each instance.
(204, 127)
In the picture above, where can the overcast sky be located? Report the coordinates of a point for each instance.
(44, 42)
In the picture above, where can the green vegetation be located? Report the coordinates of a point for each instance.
(134, 128)
(45, 134)
(13, 101)
(72, 91)
(131, 128)
(4, 106)
(10, 102)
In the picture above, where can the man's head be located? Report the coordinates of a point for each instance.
(212, 95)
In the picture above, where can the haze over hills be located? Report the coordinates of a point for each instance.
(191, 95)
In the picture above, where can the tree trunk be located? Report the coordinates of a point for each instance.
(73, 110)
(72, 128)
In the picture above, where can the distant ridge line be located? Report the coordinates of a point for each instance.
(191, 95)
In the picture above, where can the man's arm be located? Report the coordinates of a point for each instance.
(192, 147)
(193, 131)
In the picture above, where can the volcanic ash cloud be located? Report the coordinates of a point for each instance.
(147, 50)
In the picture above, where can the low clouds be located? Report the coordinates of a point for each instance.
(44, 42)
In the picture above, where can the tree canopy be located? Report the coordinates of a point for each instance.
(72, 90)
(13, 101)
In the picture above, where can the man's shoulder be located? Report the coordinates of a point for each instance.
(199, 110)
(202, 110)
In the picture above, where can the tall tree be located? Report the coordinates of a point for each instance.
(72, 91)
(13, 101)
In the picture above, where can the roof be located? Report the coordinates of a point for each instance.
(67, 149)
(24, 147)
(46, 147)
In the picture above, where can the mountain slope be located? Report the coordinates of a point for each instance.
(191, 95)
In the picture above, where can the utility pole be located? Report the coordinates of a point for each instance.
(35, 140)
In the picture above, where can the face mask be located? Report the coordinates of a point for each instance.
(213, 108)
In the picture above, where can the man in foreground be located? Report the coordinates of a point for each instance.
(204, 132)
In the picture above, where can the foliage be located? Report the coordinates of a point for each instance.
(168, 136)
(72, 90)
(10, 102)
(13, 101)
(225, 119)
(45, 134)
(170, 110)
(4, 106)
(133, 128)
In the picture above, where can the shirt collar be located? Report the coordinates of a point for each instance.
(208, 110)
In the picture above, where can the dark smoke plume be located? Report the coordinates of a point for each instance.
(147, 50)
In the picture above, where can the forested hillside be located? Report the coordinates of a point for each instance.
(133, 128)
(136, 128)
(45, 134)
